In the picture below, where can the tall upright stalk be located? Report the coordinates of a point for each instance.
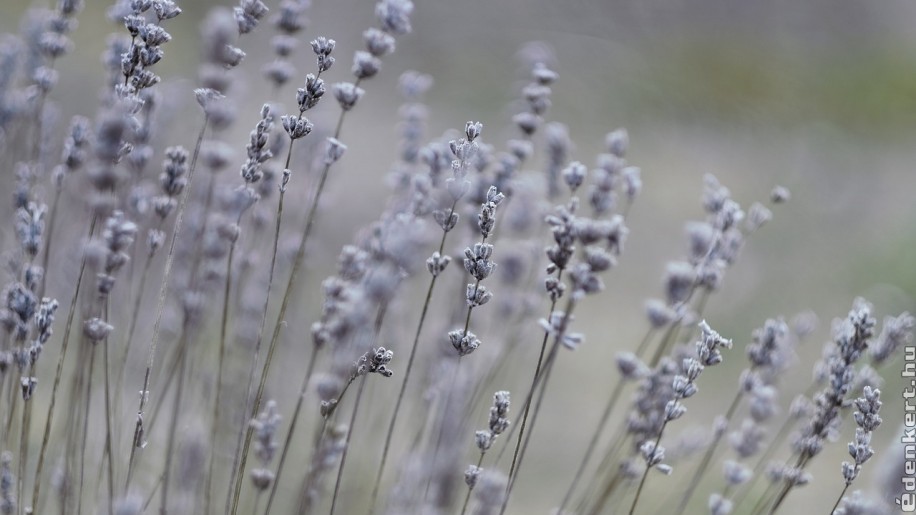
(138, 439)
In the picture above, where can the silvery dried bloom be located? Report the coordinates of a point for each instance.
(262, 478)
(248, 13)
(477, 260)
(558, 148)
(322, 47)
(679, 281)
(747, 440)
(288, 19)
(44, 319)
(375, 361)
(365, 65)
(471, 475)
(736, 473)
(659, 314)
(307, 97)
(499, 412)
(851, 339)
(334, 150)
(896, 332)
(465, 342)
(719, 505)
(574, 175)
(653, 456)
(96, 329)
(779, 195)
(630, 366)
(27, 387)
(258, 153)
(632, 182)
(757, 216)
(477, 295)
(394, 16)
(543, 75)
(437, 263)
(527, 122)
(378, 42)
(347, 94)
(538, 98)
(265, 428)
(867, 420)
(709, 344)
(296, 126)
(165, 9)
(30, 227)
(558, 327)
(617, 142)
(174, 168)
(7, 484)
(793, 476)
(858, 504)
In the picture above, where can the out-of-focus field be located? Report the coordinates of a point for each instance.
(820, 98)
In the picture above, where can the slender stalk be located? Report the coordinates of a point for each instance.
(270, 353)
(46, 437)
(839, 499)
(401, 393)
(545, 366)
(534, 379)
(645, 473)
(593, 443)
(163, 293)
(24, 438)
(85, 428)
(109, 434)
(346, 449)
(284, 305)
(223, 337)
(292, 428)
(49, 237)
(176, 412)
(467, 496)
(707, 456)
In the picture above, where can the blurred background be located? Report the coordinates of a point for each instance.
(819, 97)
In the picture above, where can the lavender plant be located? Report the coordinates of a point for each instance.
(165, 392)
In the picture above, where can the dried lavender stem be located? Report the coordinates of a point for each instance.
(284, 305)
(346, 449)
(467, 497)
(839, 499)
(176, 411)
(223, 333)
(292, 427)
(707, 456)
(163, 293)
(408, 369)
(46, 437)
